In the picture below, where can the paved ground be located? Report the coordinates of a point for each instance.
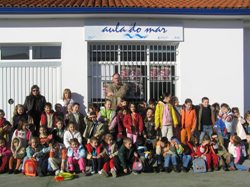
(218, 178)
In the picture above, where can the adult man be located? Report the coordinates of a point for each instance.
(116, 90)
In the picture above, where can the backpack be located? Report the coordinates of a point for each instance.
(199, 165)
(137, 165)
(30, 167)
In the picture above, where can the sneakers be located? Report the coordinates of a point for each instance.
(100, 172)
(232, 168)
(167, 169)
(113, 172)
(57, 172)
(93, 172)
(185, 170)
(11, 171)
(135, 172)
(16, 171)
(104, 173)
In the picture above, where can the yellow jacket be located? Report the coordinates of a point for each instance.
(159, 114)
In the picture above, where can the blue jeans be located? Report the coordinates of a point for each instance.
(207, 129)
(185, 160)
(168, 158)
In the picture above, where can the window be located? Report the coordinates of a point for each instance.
(46, 52)
(14, 52)
(36, 52)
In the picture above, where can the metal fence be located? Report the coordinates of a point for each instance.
(148, 69)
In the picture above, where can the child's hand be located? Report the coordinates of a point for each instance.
(125, 171)
(98, 156)
(136, 155)
(89, 156)
(110, 156)
(206, 142)
(0, 154)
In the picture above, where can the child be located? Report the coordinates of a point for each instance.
(165, 117)
(170, 155)
(111, 151)
(44, 138)
(59, 111)
(194, 147)
(76, 155)
(161, 145)
(106, 114)
(208, 152)
(48, 118)
(22, 132)
(57, 157)
(19, 113)
(94, 128)
(188, 121)
(220, 150)
(239, 156)
(126, 156)
(71, 133)
(18, 153)
(68, 113)
(227, 117)
(5, 127)
(77, 118)
(149, 131)
(58, 131)
(133, 123)
(40, 154)
(246, 126)
(95, 153)
(4, 154)
(117, 126)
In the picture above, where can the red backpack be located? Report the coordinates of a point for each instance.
(30, 167)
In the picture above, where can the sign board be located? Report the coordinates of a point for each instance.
(127, 31)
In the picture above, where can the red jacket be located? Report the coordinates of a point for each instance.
(89, 148)
(128, 123)
(194, 153)
(44, 120)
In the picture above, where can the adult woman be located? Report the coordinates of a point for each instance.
(34, 104)
(66, 100)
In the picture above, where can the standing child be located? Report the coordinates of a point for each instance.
(18, 153)
(126, 156)
(5, 127)
(111, 151)
(188, 121)
(133, 123)
(76, 155)
(4, 155)
(59, 111)
(165, 117)
(22, 132)
(95, 153)
(48, 118)
(106, 113)
(71, 133)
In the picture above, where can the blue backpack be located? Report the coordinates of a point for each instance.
(199, 165)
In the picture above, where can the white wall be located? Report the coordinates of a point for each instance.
(70, 34)
(247, 69)
(211, 62)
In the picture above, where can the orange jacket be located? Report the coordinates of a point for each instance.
(188, 118)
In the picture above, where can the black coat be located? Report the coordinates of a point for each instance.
(39, 104)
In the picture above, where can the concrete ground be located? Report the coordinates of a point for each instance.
(218, 178)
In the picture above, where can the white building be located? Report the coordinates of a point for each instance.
(192, 51)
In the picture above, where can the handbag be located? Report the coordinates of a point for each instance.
(137, 165)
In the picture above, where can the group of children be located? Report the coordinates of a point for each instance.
(131, 138)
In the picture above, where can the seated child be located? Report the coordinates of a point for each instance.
(220, 150)
(209, 154)
(71, 133)
(111, 151)
(5, 128)
(126, 156)
(58, 131)
(22, 132)
(36, 151)
(57, 157)
(44, 138)
(18, 153)
(59, 111)
(76, 155)
(161, 144)
(4, 154)
(239, 156)
(170, 155)
(95, 153)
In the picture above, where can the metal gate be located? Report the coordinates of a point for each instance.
(148, 69)
(16, 80)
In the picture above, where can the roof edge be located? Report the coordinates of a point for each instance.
(158, 11)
